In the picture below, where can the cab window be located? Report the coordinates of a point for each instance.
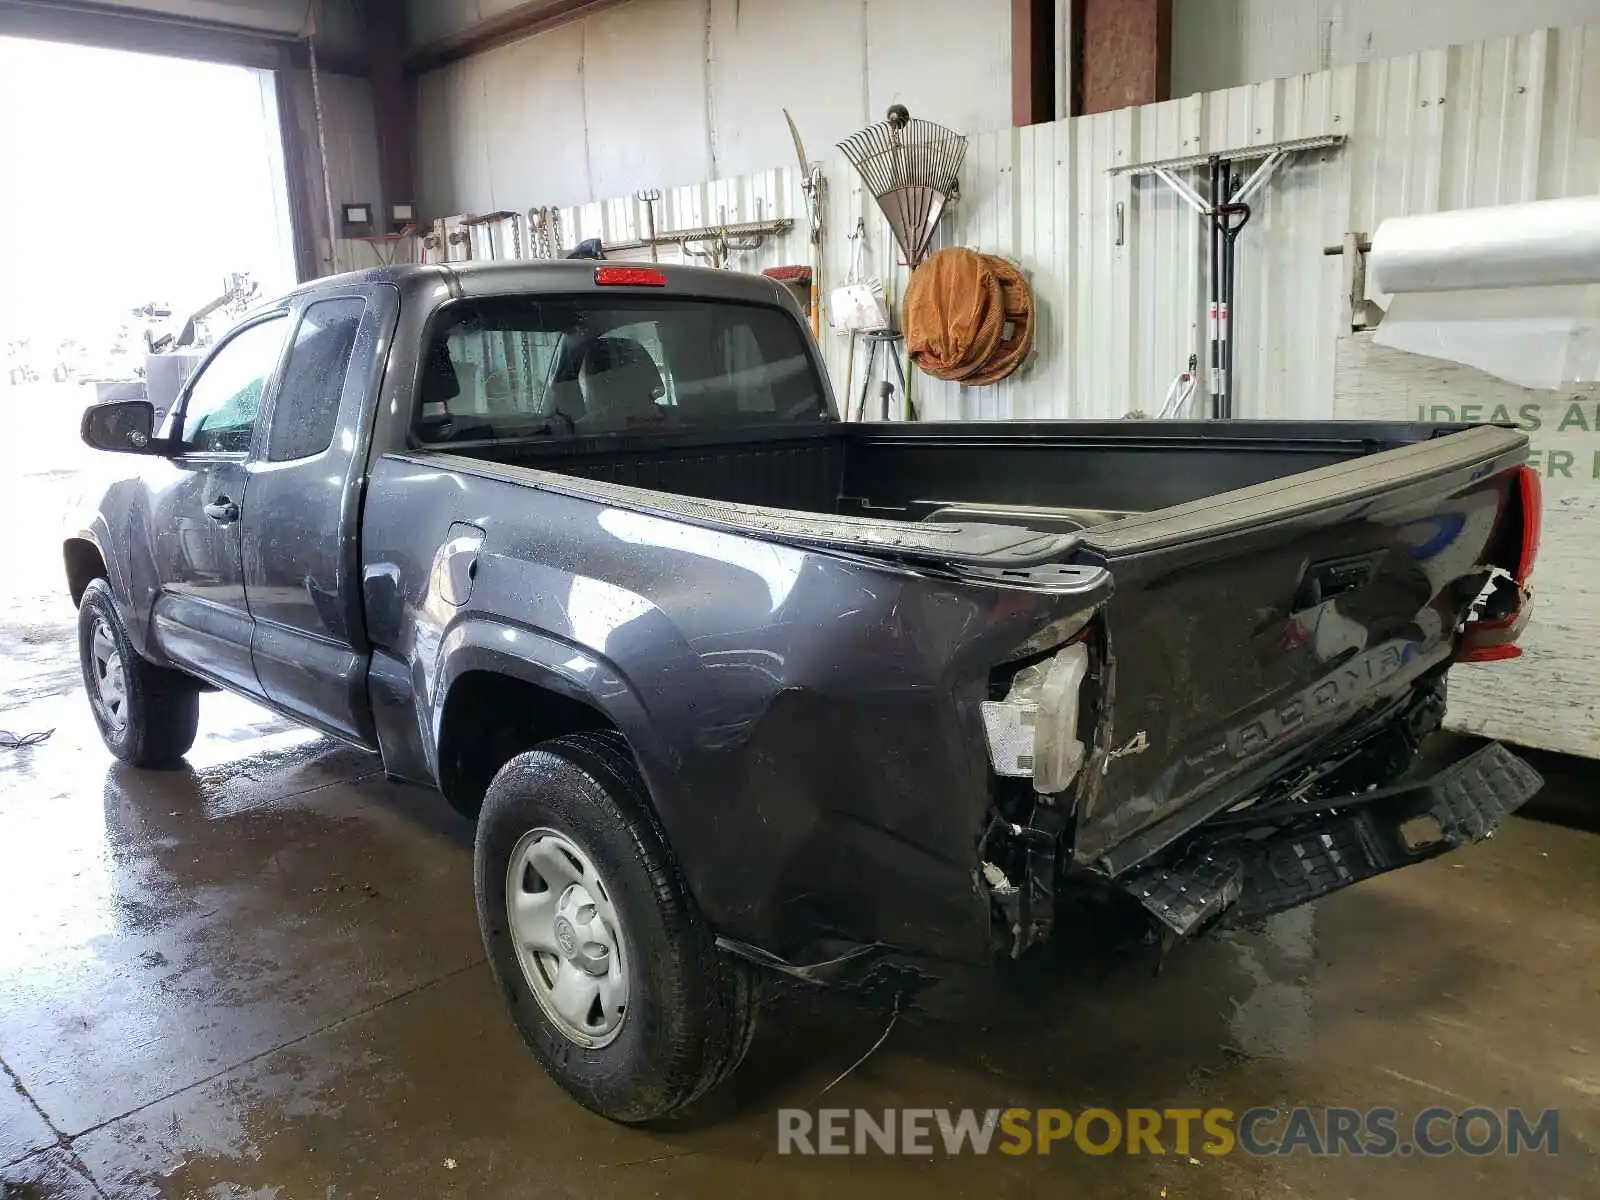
(224, 400)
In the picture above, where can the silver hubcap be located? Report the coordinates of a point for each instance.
(568, 939)
(110, 684)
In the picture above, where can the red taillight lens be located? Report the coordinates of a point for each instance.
(1531, 493)
(1495, 641)
(630, 277)
(1483, 654)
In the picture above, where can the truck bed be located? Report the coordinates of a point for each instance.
(1053, 476)
(807, 614)
(1233, 549)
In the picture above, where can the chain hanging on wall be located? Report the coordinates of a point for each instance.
(544, 228)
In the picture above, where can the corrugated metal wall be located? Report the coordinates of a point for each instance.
(1497, 121)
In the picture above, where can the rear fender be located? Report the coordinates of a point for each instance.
(482, 644)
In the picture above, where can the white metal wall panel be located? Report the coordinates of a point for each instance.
(533, 96)
(1220, 43)
(667, 92)
(1494, 122)
(753, 51)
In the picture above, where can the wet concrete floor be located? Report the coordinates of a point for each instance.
(260, 975)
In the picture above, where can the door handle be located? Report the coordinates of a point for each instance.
(1322, 581)
(223, 511)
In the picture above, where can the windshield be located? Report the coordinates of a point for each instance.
(552, 366)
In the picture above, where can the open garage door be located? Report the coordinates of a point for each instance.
(321, 143)
(135, 180)
(250, 33)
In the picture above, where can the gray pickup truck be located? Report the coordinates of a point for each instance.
(735, 688)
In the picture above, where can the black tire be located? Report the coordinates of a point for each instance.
(692, 1008)
(160, 707)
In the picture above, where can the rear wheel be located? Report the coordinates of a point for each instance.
(148, 715)
(613, 977)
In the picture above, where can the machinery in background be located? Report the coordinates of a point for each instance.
(19, 362)
(172, 354)
(237, 293)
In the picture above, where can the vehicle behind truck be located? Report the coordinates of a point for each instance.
(736, 690)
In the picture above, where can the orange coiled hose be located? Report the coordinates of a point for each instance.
(969, 317)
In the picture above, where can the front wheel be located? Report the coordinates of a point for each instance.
(613, 978)
(148, 715)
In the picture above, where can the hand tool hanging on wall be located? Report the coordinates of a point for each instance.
(650, 197)
(812, 185)
(858, 305)
(1225, 212)
(911, 167)
(716, 243)
(1227, 218)
(715, 247)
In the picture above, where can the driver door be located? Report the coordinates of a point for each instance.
(200, 619)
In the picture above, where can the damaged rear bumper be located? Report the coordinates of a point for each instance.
(1237, 870)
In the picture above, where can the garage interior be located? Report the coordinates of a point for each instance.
(261, 973)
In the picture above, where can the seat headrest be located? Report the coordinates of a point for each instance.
(439, 380)
(616, 353)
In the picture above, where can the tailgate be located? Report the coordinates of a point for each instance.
(1250, 628)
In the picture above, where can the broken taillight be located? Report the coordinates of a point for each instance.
(1495, 639)
(1033, 732)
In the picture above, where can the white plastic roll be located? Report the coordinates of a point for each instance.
(1542, 243)
(1512, 290)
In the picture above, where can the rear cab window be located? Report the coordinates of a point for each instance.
(535, 367)
(307, 408)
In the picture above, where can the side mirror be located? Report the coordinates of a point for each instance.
(125, 426)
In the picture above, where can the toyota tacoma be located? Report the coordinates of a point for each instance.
(734, 688)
